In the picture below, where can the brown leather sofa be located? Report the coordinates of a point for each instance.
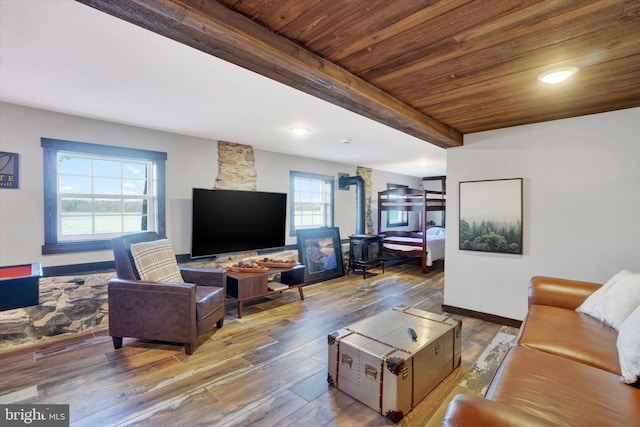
(563, 370)
(164, 311)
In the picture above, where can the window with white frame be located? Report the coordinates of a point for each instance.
(312, 201)
(95, 192)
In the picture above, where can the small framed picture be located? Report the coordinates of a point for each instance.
(9, 170)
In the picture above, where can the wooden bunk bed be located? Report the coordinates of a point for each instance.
(417, 238)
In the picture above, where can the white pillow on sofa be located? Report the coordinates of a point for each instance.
(629, 347)
(155, 261)
(614, 301)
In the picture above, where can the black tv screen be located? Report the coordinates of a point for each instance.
(226, 221)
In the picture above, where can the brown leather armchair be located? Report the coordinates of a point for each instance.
(164, 311)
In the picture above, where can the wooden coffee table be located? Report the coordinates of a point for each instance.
(247, 286)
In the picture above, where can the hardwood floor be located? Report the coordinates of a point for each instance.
(268, 368)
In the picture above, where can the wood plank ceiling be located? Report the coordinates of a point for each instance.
(433, 69)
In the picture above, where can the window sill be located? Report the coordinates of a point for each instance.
(71, 247)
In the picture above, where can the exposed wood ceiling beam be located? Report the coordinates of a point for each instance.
(212, 28)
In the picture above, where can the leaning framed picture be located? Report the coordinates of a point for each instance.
(491, 215)
(320, 250)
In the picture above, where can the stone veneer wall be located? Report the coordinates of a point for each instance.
(366, 173)
(68, 304)
(236, 167)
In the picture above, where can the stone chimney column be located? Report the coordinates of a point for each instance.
(236, 167)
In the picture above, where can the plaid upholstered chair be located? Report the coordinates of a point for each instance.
(154, 299)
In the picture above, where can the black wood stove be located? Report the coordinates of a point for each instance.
(365, 251)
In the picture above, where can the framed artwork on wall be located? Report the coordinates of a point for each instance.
(320, 250)
(491, 215)
(9, 170)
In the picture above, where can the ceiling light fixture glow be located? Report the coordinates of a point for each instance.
(299, 131)
(557, 76)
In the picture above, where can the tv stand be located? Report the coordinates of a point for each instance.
(247, 286)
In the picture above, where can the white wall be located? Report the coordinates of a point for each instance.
(581, 207)
(191, 162)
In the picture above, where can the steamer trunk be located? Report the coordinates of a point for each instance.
(379, 362)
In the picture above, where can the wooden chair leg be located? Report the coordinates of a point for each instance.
(188, 348)
(117, 342)
(220, 322)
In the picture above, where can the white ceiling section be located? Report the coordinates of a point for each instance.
(63, 56)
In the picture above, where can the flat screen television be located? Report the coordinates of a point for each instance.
(225, 221)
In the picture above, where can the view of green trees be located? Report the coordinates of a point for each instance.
(78, 205)
(491, 236)
(95, 216)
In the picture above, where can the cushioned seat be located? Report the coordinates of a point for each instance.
(563, 392)
(553, 330)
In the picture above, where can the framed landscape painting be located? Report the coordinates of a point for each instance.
(320, 250)
(491, 216)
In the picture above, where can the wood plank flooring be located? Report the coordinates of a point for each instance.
(268, 368)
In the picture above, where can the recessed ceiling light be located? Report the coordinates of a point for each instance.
(299, 131)
(557, 76)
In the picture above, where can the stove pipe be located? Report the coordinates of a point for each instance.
(345, 181)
